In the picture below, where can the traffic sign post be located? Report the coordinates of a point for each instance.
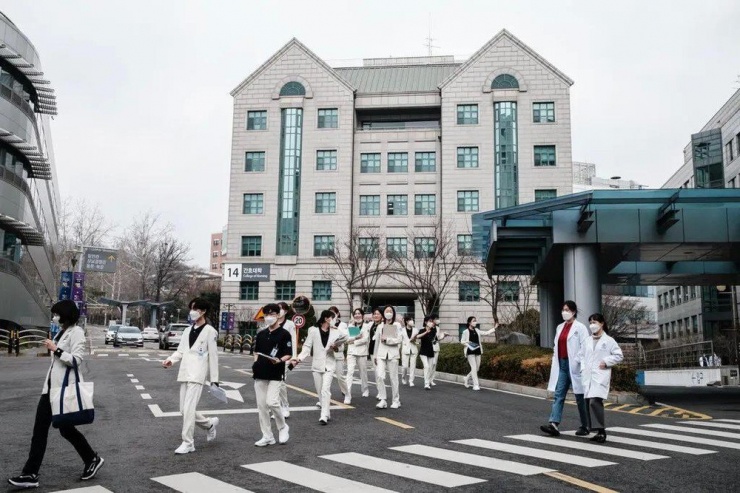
(299, 321)
(100, 260)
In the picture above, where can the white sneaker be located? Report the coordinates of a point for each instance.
(411, 383)
(366, 393)
(476, 388)
(467, 385)
(284, 434)
(382, 405)
(395, 405)
(264, 442)
(318, 404)
(427, 387)
(212, 430)
(348, 399)
(403, 381)
(185, 448)
(434, 384)
(286, 412)
(323, 421)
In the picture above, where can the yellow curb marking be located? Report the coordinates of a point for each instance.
(638, 409)
(619, 408)
(395, 423)
(579, 482)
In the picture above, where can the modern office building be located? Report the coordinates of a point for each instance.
(584, 178)
(711, 160)
(29, 199)
(388, 149)
(216, 252)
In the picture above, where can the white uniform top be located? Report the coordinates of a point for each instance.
(595, 380)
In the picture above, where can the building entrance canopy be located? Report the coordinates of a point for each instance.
(638, 237)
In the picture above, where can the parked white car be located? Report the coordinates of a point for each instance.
(150, 334)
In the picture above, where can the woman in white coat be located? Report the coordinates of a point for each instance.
(597, 357)
(388, 340)
(570, 337)
(337, 324)
(357, 350)
(473, 349)
(409, 351)
(321, 342)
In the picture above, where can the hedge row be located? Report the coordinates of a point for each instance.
(523, 365)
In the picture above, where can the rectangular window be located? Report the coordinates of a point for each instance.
(398, 162)
(508, 291)
(467, 201)
(467, 157)
(289, 181)
(469, 291)
(424, 247)
(257, 120)
(368, 248)
(254, 161)
(396, 247)
(326, 203)
(426, 162)
(543, 112)
(730, 151)
(370, 162)
(323, 246)
(546, 194)
(506, 153)
(251, 246)
(321, 291)
(284, 290)
(694, 324)
(467, 114)
(425, 205)
(253, 203)
(464, 245)
(686, 293)
(249, 290)
(398, 205)
(329, 118)
(544, 155)
(369, 205)
(326, 160)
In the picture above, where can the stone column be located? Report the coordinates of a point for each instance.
(581, 279)
(550, 295)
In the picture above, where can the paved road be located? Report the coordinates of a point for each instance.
(473, 441)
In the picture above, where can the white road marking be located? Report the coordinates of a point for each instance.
(711, 424)
(134, 380)
(473, 460)
(678, 438)
(728, 420)
(695, 431)
(647, 444)
(308, 478)
(146, 397)
(589, 447)
(424, 474)
(130, 375)
(88, 489)
(122, 354)
(139, 387)
(102, 354)
(535, 452)
(158, 413)
(194, 482)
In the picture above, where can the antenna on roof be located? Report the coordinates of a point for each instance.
(430, 39)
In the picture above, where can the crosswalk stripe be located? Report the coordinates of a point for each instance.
(728, 420)
(87, 489)
(711, 424)
(195, 482)
(659, 445)
(535, 452)
(424, 474)
(676, 437)
(589, 447)
(473, 460)
(695, 431)
(309, 478)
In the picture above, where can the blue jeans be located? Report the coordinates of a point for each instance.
(564, 383)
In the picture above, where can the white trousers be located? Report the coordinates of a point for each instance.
(474, 362)
(428, 363)
(392, 366)
(189, 397)
(408, 364)
(322, 382)
(341, 378)
(268, 399)
(434, 366)
(361, 363)
(284, 393)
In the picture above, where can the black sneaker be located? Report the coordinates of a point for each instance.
(92, 468)
(600, 437)
(582, 432)
(25, 481)
(550, 429)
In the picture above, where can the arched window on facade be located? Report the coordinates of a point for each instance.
(505, 81)
(293, 89)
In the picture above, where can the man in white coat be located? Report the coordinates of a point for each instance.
(198, 353)
(388, 340)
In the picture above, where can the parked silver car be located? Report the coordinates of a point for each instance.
(128, 336)
(170, 338)
(110, 335)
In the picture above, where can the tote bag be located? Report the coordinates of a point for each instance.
(72, 405)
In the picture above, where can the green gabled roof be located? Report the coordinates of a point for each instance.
(397, 79)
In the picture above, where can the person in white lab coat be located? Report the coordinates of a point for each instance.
(376, 321)
(438, 337)
(388, 340)
(198, 353)
(570, 337)
(597, 357)
(337, 324)
(288, 325)
(321, 343)
(409, 351)
(357, 350)
(473, 349)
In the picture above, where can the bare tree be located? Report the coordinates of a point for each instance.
(489, 292)
(433, 267)
(623, 314)
(80, 224)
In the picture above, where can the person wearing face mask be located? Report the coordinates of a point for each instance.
(388, 339)
(357, 349)
(570, 337)
(198, 351)
(289, 326)
(473, 349)
(439, 335)
(597, 357)
(67, 347)
(377, 321)
(409, 351)
(427, 336)
(339, 374)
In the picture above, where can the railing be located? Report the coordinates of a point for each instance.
(394, 126)
(683, 356)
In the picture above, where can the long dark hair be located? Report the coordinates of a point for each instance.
(406, 319)
(572, 307)
(470, 319)
(598, 317)
(324, 315)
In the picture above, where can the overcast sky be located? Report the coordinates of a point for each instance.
(143, 86)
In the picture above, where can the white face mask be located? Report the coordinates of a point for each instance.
(269, 320)
(55, 319)
(389, 316)
(333, 321)
(411, 323)
(594, 328)
(194, 315)
(567, 315)
(281, 314)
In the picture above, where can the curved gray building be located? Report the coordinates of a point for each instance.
(29, 199)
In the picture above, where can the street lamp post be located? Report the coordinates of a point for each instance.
(178, 315)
